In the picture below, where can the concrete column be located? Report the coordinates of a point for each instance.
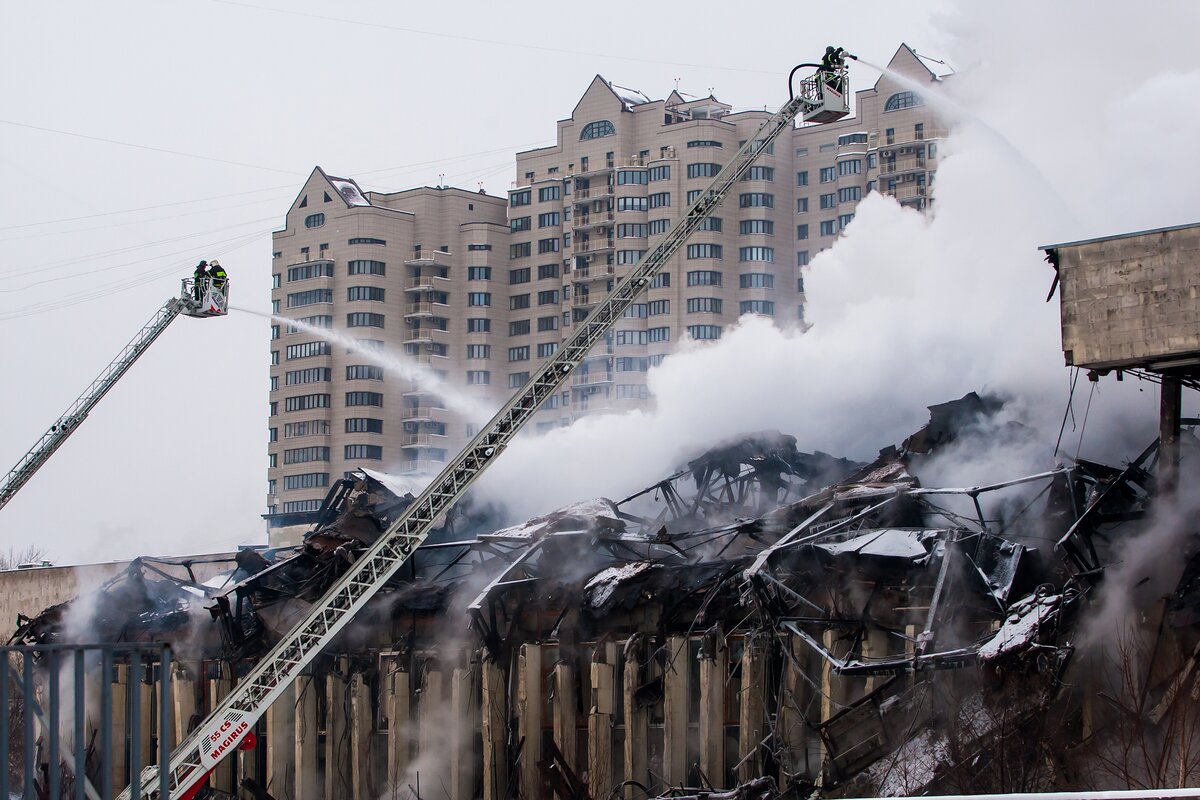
(306, 781)
(636, 738)
(145, 701)
(464, 710)
(1170, 405)
(875, 645)
(494, 727)
(221, 777)
(183, 695)
(565, 713)
(337, 738)
(675, 702)
(600, 714)
(529, 718)
(432, 735)
(281, 746)
(120, 708)
(750, 721)
(792, 728)
(362, 725)
(714, 668)
(400, 734)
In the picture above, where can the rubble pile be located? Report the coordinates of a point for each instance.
(841, 626)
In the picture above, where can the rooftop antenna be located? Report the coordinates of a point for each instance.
(441, 180)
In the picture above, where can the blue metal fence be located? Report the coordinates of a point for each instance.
(58, 760)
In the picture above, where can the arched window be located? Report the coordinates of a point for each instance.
(314, 220)
(903, 100)
(594, 130)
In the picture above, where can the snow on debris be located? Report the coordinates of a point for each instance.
(605, 582)
(586, 515)
(886, 543)
(349, 192)
(1025, 619)
(396, 484)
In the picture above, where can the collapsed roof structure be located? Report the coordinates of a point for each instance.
(764, 620)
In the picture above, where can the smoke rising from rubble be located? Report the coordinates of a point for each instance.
(910, 310)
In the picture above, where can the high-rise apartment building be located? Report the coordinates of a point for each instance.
(480, 290)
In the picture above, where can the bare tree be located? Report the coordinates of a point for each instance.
(30, 554)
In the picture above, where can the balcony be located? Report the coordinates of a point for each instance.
(422, 465)
(605, 165)
(424, 413)
(418, 310)
(596, 273)
(583, 221)
(592, 246)
(592, 379)
(306, 258)
(427, 257)
(586, 300)
(592, 193)
(907, 191)
(423, 440)
(422, 283)
(912, 164)
(423, 335)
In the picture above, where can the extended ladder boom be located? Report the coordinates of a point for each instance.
(236, 715)
(77, 412)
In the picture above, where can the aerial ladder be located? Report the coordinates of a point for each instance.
(819, 98)
(203, 297)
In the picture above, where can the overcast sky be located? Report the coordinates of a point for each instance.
(139, 136)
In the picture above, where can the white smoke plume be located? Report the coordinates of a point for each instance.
(911, 310)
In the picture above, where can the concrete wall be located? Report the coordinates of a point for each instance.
(1131, 300)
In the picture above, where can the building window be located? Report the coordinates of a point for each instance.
(274, 383)
(364, 425)
(694, 195)
(363, 452)
(522, 198)
(635, 311)
(628, 364)
(548, 297)
(802, 261)
(274, 358)
(361, 319)
(704, 331)
(305, 402)
(801, 205)
(657, 226)
(366, 268)
(547, 193)
(479, 298)
(632, 230)
(309, 480)
(851, 166)
(363, 372)
(307, 350)
(548, 271)
(321, 269)
(318, 321)
(276, 281)
(828, 200)
(519, 224)
(364, 399)
(695, 251)
(365, 240)
(479, 273)
(630, 337)
(844, 220)
(802, 178)
(312, 427)
(661, 281)
(547, 324)
(764, 307)
(710, 224)
(763, 226)
(479, 247)
(828, 227)
(519, 275)
(630, 256)
(479, 351)
(660, 173)
(518, 302)
(849, 194)
(657, 308)
(902, 100)
(549, 219)
(518, 379)
(756, 200)
(314, 220)
(703, 277)
(659, 200)
(756, 280)
(596, 130)
(365, 293)
(756, 254)
(298, 506)
(703, 169)
(272, 434)
(631, 204)
(704, 305)
(828, 174)
(890, 135)
(518, 327)
(549, 245)
(759, 174)
(309, 298)
(547, 349)
(658, 334)
(302, 455)
(479, 325)
(301, 376)
(628, 177)
(518, 353)
(479, 377)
